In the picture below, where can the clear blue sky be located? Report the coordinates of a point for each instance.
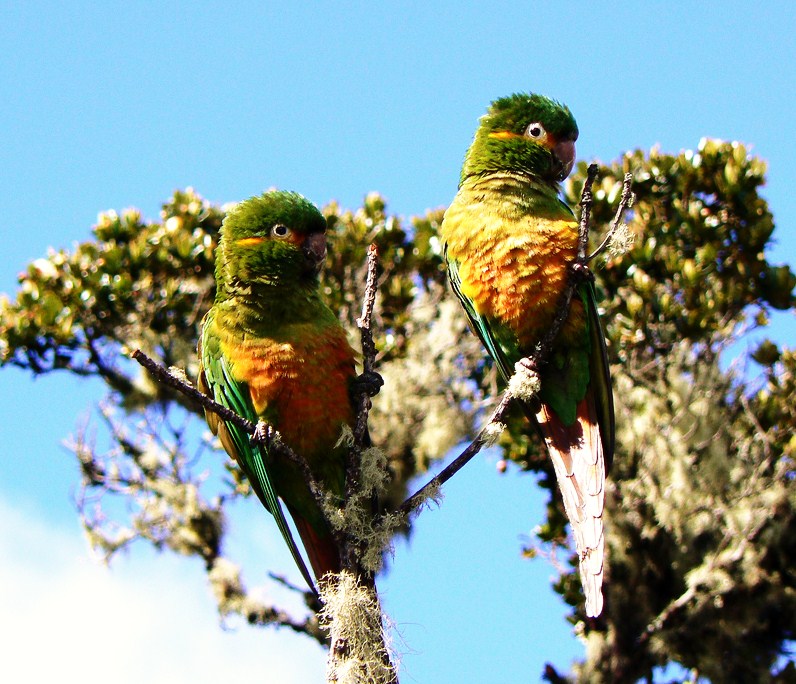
(109, 105)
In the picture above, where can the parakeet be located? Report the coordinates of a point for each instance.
(271, 349)
(508, 240)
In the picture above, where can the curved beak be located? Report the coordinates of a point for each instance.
(564, 155)
(314, 249)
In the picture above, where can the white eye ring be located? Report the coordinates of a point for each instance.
(535, 131)
(280, 231)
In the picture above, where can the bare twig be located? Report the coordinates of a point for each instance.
(352, 608)
(233, 597)
(308, 596)
(578, 272)
(624, 202)
(368, 346)
(586, 200)
(483, 438)
(174, 381)
(349, 545)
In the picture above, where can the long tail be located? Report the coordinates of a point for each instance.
(321, 550)
(579, 460)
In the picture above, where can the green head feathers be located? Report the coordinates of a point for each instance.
(522, 133)
(277, 238)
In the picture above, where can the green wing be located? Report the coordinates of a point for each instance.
(251, 458)
(600, 374)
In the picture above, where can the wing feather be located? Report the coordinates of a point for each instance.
(600, 375)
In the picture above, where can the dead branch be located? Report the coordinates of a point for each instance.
(625, 202)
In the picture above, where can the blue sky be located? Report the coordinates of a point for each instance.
(109, 105)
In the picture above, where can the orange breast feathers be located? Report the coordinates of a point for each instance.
(515, 272)
(301, 387)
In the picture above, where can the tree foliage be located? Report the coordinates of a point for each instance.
(701, 526)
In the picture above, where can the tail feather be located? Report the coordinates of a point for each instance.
(579, 461)
(321, 550)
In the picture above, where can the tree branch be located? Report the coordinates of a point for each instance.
(586, 200)
(367, 385)
(625, 202)
(178, 382)
(363, 322)
(260, 431)
(484, 438)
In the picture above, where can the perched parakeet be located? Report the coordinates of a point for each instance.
(508, 241)
(271, 349)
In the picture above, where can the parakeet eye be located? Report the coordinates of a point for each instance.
(280, 231)
(535, 131)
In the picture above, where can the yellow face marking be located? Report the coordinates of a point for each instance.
(250, 241)
(505, 135)
(547, 141)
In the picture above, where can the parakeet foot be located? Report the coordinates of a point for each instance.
(369, 382)
(263, 433)
(581, 271)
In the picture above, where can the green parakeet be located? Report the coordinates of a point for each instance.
(271, 349)
(508, 241)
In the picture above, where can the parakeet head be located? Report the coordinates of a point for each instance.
(277, 238)
(523, 133)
